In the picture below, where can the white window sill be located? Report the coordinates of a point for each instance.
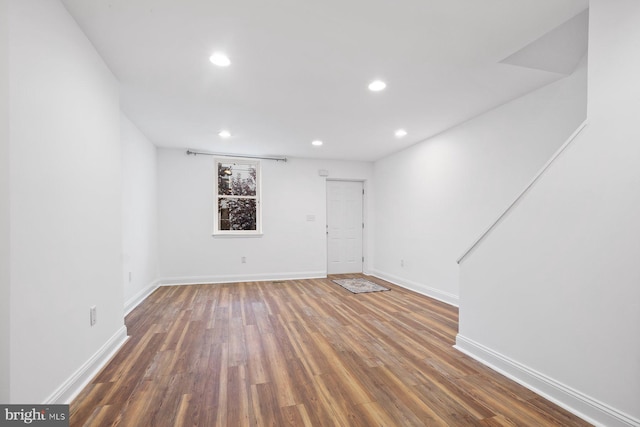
(235, 235)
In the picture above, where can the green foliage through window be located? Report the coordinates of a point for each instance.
(237, 196)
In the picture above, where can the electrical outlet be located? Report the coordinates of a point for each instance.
(401, 263)
(129, 277)
(243, 260)
(93, 315)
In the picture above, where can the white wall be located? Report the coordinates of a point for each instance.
(66, 200)
(139, 226)
(4, 203)
(291, 246)
(434, 198)
(553, 292)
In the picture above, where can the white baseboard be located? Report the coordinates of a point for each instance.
(139, 297)
(585, 407)
(198, 280)
(76, 382)
(420, 288)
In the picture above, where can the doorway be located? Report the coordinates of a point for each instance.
(344, 226)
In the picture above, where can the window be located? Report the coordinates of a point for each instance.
(237, 197)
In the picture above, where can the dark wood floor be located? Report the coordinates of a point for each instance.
(300, 353)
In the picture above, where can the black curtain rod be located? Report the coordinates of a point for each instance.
(242, 156)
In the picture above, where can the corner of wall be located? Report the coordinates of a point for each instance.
(140, 296)
(139, 214)
(4, 205)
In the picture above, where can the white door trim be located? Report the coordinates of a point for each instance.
(342, 258)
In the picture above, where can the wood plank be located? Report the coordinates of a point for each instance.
(300, 353)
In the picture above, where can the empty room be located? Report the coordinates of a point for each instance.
(351, 213)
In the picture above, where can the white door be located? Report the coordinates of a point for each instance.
(344, 226)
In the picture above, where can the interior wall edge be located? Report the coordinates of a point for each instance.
(73, 385)
(585, 407)
(420, 288)
(5, 194)
(139, 297)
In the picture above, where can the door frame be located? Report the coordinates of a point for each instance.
(364, 220)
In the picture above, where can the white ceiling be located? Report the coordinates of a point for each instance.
(300, 69)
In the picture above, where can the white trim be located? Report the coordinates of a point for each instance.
(523, 192)
(420, 288)
(140, 296)
(574, 401)
(363, 252)
(265, 277)
(234, 235)
(70, 388)
(258, 198)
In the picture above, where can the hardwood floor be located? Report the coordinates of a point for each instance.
(300, 353)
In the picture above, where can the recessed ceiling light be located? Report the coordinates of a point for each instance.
(400, 133)
(317, 143)
(220, 59)
(377, 85)
(224, 134)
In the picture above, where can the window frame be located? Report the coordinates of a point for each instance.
(217, 232)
